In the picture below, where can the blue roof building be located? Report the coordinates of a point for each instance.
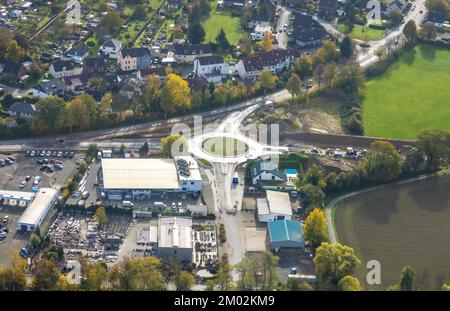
(285, 234)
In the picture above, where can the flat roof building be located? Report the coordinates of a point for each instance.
(175, 238)
(37, 210)
(285, 234)
(144, 178)
(275, 206)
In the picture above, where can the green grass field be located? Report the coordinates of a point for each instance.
(224, 146)
(361, 32)
(400, 225)
(413, 95)
(222, 19)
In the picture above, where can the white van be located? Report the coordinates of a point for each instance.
(159, 205)
(127, 204)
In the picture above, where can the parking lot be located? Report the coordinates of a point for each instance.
(12, 174)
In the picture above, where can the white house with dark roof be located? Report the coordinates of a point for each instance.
(78, 52)
(111, 48)
(266, 171)
(211, 68)
(65, 68)
(187, 53)
(22, 110)
(275, 61)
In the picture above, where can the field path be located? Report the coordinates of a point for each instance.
(329, 208)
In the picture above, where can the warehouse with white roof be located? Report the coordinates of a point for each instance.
(175, 238)
(139, 178)
(276, 206)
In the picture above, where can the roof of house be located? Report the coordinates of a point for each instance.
(14, 68)
(135, 52)
(156, 71)
(62, 65)
(436, 17)
(210, 60)
(285, 230)
(196, 84)
(95, 62)
(112, 43)
(303, 20)
(191, 49)
(77, 80)
(78, 50)
(329, 5)
(22, 107)
(309, 34)
(264, 166)
(260, 60)
(52, 85)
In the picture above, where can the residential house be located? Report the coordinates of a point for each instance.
(94, 66)
(285, 235)
(275, 206)
(307, 31)
(174, 4)
(78, 52)
(76, 84)
(259, 19)
(159, 72)
(232, 3)
(22, 110)
(187, 53)
(276, 61)
(328, 9)
(131, 87)
(259, 31)
(394, 6)
(54, 87)
(211, 68)
(134, 59)
(438, 19)
(14, 71)
(65, 68)
(266, 171)
(111, 48)
(16, 14)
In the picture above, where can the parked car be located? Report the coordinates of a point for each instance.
(58, 166)
(11, 158)
(22, 184)
(85, 195)
(2, 163)
(6, 218)
(3, 234)
(37, 178)
(50, 169)
(59, 154)
(27, 178)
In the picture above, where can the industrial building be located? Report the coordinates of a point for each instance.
(285, 234)
(175, 238)
(37, 206)
(140, 179)
(276, 206)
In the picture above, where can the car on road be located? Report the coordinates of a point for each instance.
(85, 195)
(22, 184)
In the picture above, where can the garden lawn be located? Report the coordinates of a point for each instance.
(222, 19)
(413, 95)
(361, 32)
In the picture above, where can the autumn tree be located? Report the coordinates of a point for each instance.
(330, 51)
(258, 272)
(49, 115)
(177, 33)
(410, 30)
(137, 274)
(432, 147)
(312, 196)
(223, 280)
(349, 283)
(94, 276)
(428, 31)
(174, 142)
(151, 94)
(333, 262)
(346, 47)
(6, 36)
(78, 115)
(46, 276)
(109, 24)
(266, 44)
(315, 228)
(184, 280)
(303, 66)
(383, 162)
(267, 80)
(407, 278)
(100, 216)
(14, 277)
(314, 176)
(175, 94)
(330, 74)
(14, 52)
(294, 85)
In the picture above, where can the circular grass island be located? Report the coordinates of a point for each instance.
(224, 146)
